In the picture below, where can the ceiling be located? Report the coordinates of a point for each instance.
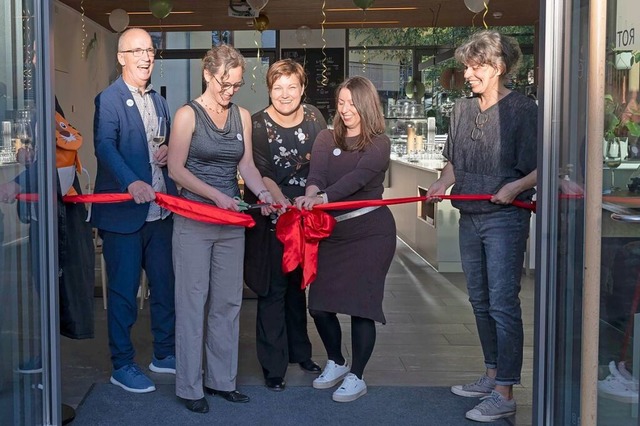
(207, 15)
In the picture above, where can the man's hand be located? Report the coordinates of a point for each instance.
(141, 192)
(160, 156)
(8, 191)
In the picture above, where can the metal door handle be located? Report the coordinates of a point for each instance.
(629, 218)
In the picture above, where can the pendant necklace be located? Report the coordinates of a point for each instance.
(222, 111)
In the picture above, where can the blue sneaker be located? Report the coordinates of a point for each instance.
(165, 365)
(132, 379)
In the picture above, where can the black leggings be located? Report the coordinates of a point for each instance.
(363, 339)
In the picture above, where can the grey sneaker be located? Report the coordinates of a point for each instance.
(481, 387)
(492, 407)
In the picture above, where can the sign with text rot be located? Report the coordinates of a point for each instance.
(627, 25)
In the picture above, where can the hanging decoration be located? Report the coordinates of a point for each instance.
(303, 33)
(414, 90)
(160, 8)
(324, 80)
(260, 24)
(257, 5)
(119, 20)
(477, 6)
(84, 28)
(365, 4)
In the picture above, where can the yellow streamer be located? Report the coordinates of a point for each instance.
(484, 15)
(364, 45)
(84, 29)
(258, 62)
(324, 81)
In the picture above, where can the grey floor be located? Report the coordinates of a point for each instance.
(430, 339)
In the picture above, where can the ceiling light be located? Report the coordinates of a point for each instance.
(497, 15)
(361, 22)
(370, 9)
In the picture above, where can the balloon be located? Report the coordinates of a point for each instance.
(160, 8)
(476, 6)
(414, 89)
(119, 20)
(261, 23)
(257, 5)
(363, 4)
(302, 35)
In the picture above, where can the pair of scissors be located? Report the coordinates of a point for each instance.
(243, 205)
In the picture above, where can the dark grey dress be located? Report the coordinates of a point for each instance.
(353, 262)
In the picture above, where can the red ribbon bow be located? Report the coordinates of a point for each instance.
(301, 231)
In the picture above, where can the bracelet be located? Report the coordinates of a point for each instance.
(262, 192)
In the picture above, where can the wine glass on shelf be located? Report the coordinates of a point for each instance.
(159, 136)
(23, 142)
(612, 160)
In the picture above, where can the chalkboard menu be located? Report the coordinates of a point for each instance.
(317, 68)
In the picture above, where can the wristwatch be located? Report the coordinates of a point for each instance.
(322, 195)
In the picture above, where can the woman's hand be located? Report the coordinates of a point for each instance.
(267, 198)
(225, 202)
(506, 194)
(283, 203)
(435, 190)
(308, 201)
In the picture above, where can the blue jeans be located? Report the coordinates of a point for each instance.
(492, 247)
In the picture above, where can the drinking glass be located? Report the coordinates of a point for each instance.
(161, 132)
(612, 160)
(159, 137)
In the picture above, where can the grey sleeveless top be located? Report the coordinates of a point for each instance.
(214, 153)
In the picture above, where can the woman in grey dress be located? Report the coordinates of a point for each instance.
(210, 143)
(491, 149)
(348, 163)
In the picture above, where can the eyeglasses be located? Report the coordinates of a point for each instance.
(137, 53)
(226, 86)
(481, 120)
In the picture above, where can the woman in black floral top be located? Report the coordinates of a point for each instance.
(283, 134)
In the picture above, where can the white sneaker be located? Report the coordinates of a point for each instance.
(331, 375)
(623, 376)
(351, 389)
(613, 388)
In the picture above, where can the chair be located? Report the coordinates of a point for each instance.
(143, 290)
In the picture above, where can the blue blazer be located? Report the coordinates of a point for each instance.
(123, 156)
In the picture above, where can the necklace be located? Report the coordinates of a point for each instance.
(221, 111)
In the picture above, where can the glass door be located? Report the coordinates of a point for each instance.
(29, 365)
(588, 300)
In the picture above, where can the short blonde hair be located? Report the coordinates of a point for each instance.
(489, 47)
(223, 57)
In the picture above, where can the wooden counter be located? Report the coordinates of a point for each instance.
(429, 229)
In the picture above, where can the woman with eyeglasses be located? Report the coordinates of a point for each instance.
(491, 149)
(210, 144)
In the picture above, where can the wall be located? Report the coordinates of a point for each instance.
(78, 79)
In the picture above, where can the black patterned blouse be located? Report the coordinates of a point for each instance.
(283, 153)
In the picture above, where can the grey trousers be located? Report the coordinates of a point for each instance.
(207, 261)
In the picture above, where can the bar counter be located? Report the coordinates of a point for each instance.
(431, 230)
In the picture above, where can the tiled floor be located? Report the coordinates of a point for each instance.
(430, 339)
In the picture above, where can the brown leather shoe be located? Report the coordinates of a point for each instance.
(231, 396)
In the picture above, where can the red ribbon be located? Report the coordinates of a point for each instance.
(343, 205)
(301, 231)
(195, 210)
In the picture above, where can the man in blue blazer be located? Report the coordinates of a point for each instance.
(136, 234)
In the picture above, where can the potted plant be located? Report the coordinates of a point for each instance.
(620, 122)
